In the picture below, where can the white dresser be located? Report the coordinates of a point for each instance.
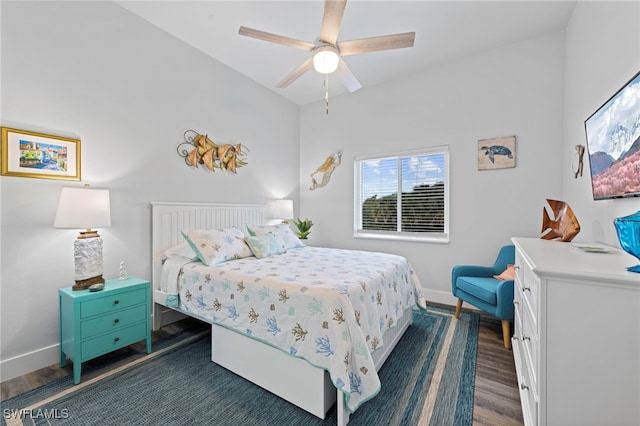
(576, 339)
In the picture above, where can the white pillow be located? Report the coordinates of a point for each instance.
(284, 236)
(180, 251)
(214, 246)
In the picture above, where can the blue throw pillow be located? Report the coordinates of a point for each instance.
(263, 245)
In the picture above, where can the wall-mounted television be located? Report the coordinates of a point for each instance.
(613, 144)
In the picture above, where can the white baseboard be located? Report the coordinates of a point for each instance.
(28, 362)
(444, 298)
(441, 297)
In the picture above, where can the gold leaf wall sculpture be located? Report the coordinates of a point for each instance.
(198, 149)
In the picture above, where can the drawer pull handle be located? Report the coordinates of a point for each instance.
(115, 302)
(526, 288)
(526, 338)
(516, 267)
(524, 387)
(116, 320)
(117, 339)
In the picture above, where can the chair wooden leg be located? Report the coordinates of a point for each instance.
(506, 334)
(458, 308)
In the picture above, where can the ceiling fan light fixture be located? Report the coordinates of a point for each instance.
(326, 59)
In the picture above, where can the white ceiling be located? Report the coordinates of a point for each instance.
(445, 31)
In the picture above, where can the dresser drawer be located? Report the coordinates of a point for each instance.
(111, 302)
(521, 296)
(113, 321)
(517, 313)
(528, 344)
(520, 265)
(117, 339)
(527, 286)
(528, 395)
(530, 289)
(530, 347)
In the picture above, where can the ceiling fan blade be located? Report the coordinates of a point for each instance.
(306, 66)
(374, 44)
(331, 20)
(274, 38)
(347, 78)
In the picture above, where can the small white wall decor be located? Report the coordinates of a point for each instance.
(578, 162)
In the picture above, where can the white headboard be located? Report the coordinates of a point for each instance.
(169, 218)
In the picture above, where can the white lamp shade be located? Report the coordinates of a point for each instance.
(326, 59)
(280, 209)
(83, 208)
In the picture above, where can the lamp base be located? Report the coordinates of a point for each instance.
(89, 233)
(85, 284)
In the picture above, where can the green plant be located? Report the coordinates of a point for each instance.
(304, 227)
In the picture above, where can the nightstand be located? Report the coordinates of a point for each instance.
(96, 323)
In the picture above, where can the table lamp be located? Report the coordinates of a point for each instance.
(280, 209)
(85, 208)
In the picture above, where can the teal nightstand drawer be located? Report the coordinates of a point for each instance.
(106, 343)
(110, 302)
(112, 322)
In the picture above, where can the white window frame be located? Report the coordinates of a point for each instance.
(430, 237)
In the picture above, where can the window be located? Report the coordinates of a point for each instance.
(422, 210)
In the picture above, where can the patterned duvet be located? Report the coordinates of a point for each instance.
(328, 306)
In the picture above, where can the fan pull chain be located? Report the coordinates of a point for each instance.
(326, 92)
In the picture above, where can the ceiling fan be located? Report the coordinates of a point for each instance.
(327, 51)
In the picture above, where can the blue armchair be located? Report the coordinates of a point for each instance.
(477, 286)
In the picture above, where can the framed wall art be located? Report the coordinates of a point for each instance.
(38, 155)
(497, 153)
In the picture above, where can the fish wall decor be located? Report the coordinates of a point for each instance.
(200, 149)
(564, 226)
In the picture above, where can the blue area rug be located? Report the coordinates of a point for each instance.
(428, 379)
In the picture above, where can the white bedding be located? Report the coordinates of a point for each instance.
(328, 306)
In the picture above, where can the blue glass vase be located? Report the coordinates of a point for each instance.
(628, 229)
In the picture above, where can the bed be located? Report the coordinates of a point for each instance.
(312, 325)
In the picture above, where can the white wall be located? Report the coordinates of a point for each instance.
(514, 90)
(129, 91)
(602, 54)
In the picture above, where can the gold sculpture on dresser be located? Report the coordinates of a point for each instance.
(564, 226)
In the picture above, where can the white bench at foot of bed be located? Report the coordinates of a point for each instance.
(292, 379)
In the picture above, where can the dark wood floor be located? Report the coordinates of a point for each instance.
(496, 398)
